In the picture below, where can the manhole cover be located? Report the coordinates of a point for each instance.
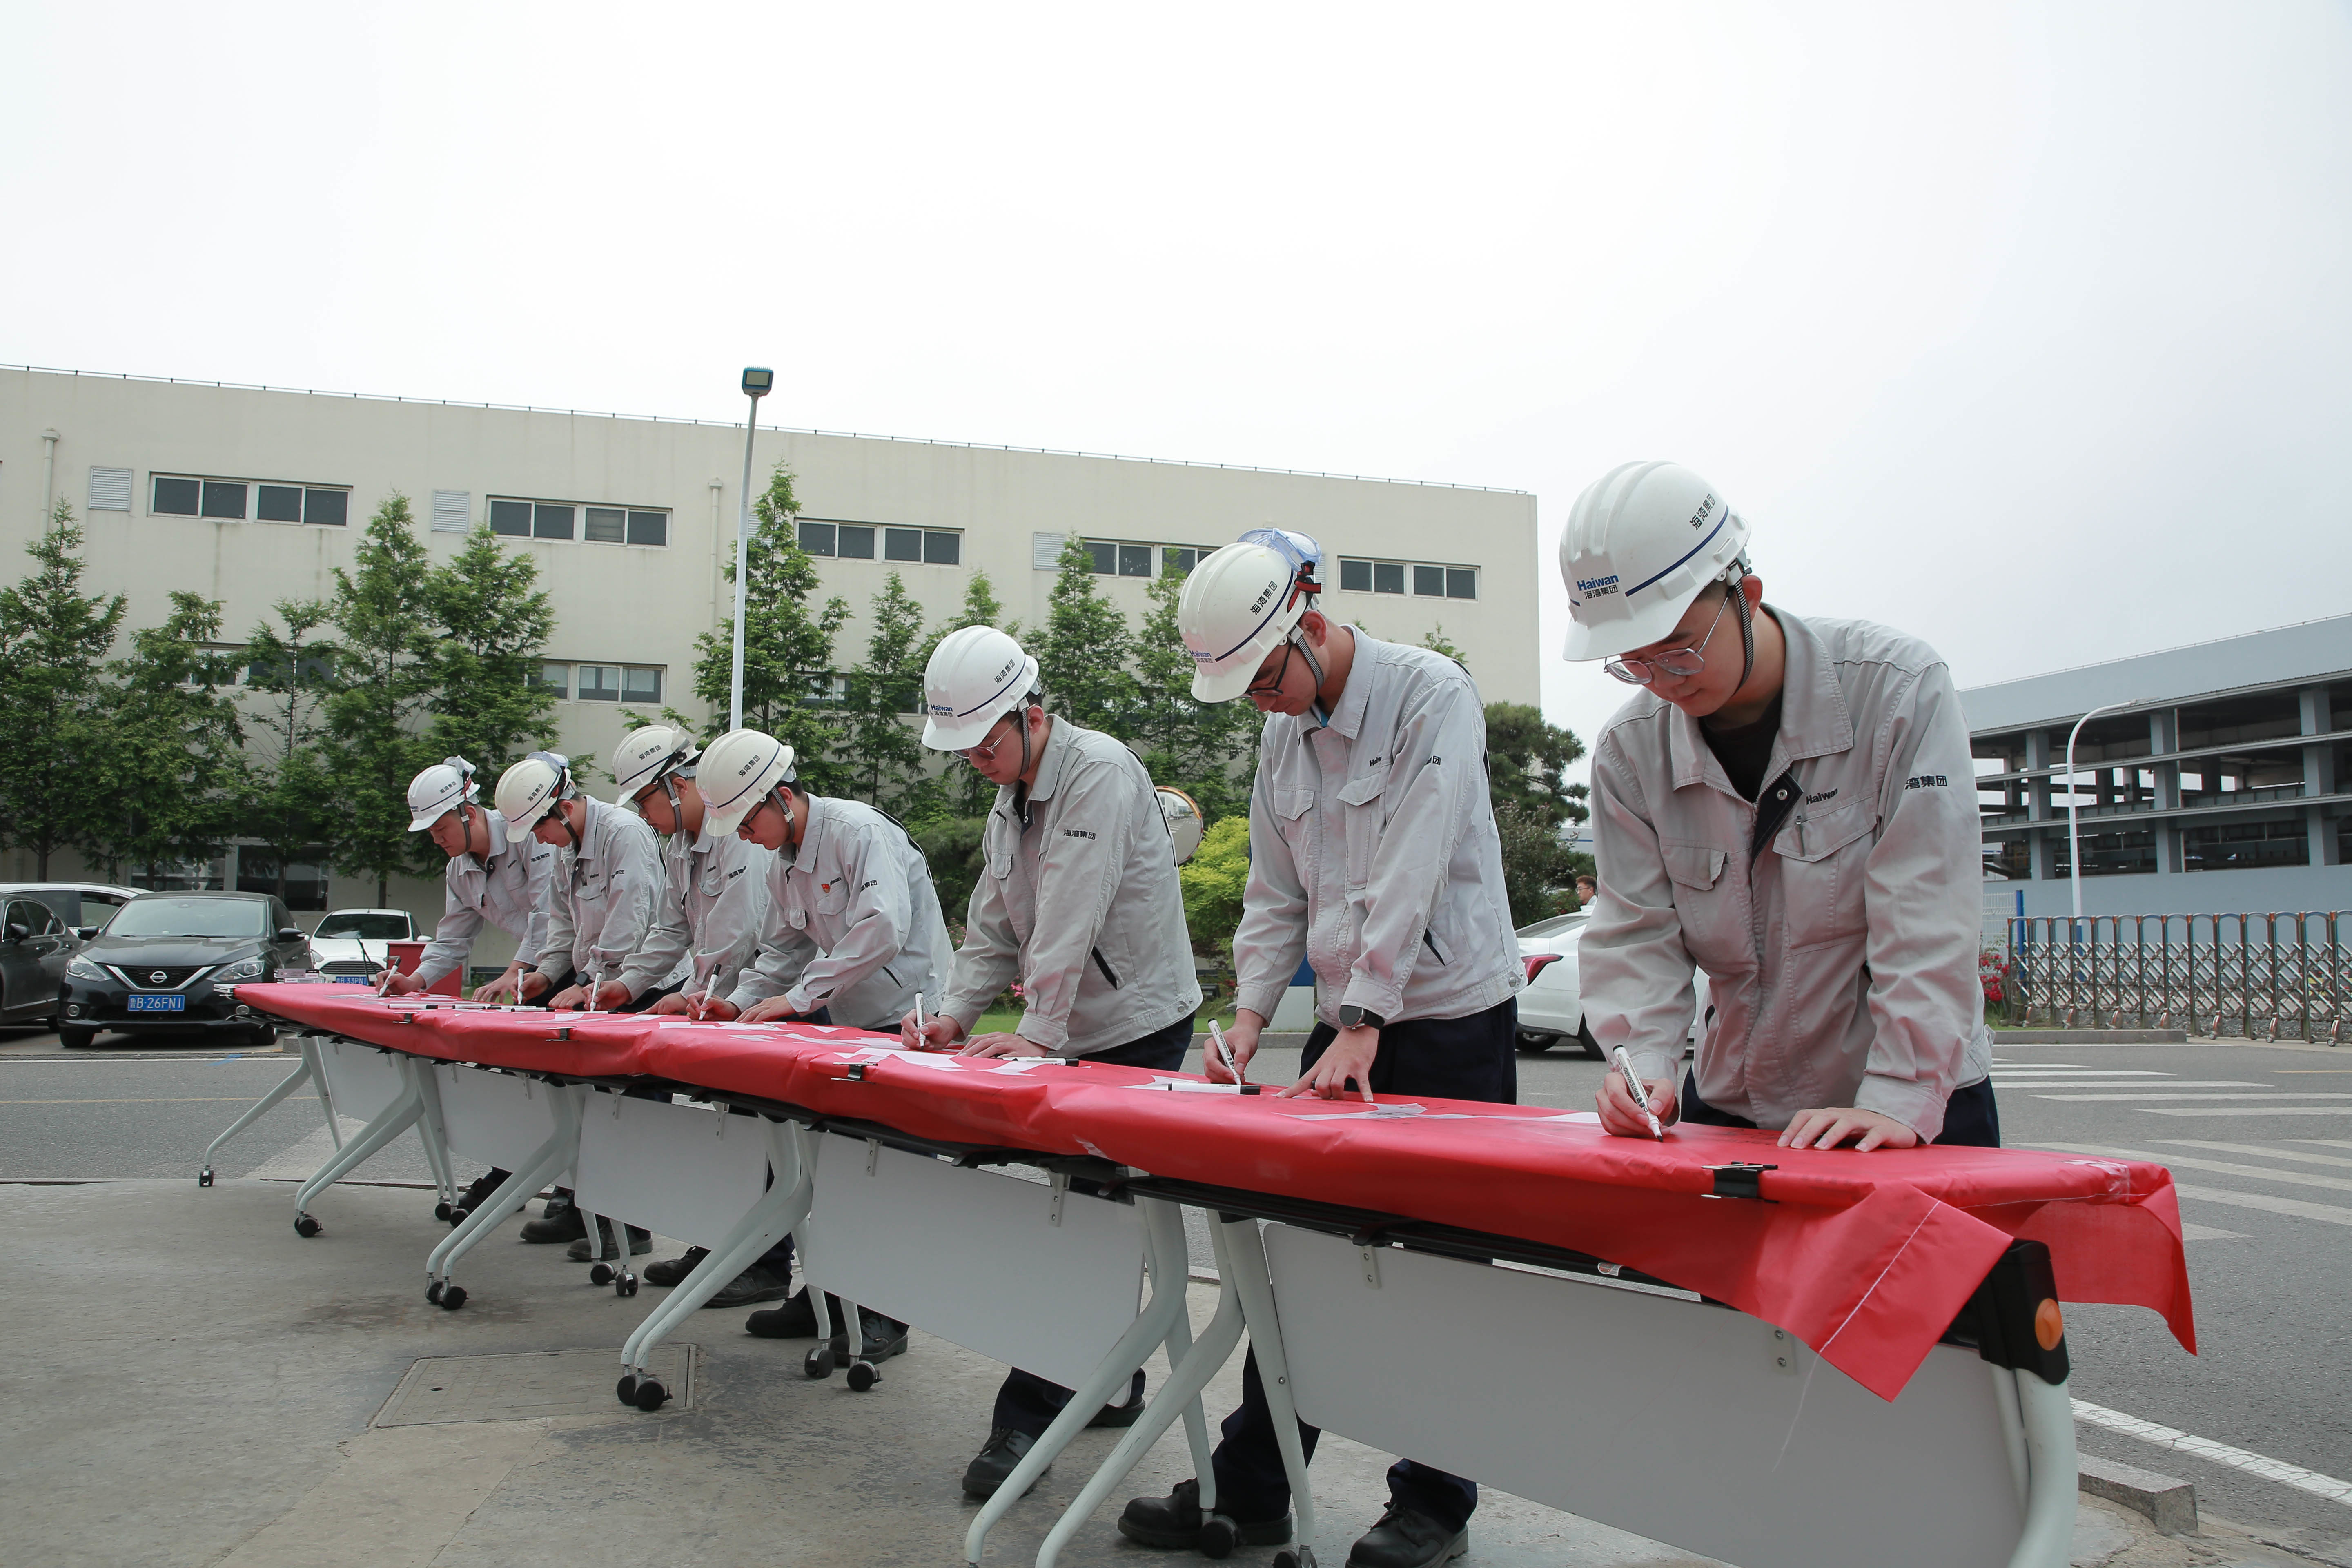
(523, 1387)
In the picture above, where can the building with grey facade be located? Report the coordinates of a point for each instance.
(2220, 785)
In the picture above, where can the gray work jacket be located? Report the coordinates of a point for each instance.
(853, 923)
(1842, 964)
(600, 897)
(1373, 850)
(1081, 905)
(707, 922)
(508, 889)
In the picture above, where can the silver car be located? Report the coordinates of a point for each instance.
(38, 940)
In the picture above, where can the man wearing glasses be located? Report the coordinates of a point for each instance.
(1374, 857)
(1078, 901)
(1790, 805)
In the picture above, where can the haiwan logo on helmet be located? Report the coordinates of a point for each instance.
(1594, 587)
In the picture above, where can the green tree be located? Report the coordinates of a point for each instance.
(954, 846)
(1527, 761)
(492, 621)
(53, 638)
(384, 676)
(881, 758)
(787, 651)
(174, 778)
(1215, 880)
(1193, 746)
(1438, 642)
(1082, 652)
(1536, 864)
(289, 675)
(957, 791)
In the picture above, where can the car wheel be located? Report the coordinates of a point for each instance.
(1592, 1046)
(265, 1035)
(1534, 1043)
(76, 1039)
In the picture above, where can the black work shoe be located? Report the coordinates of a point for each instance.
(1124, 1413)
(754, 1284)
(1174, 1523)
(1005, 1448)
(879, 1338)
(640, 1242)
(795, 1319)
(561, 1222)
(477, 1194)
(1404, 1538)
(673, 1270)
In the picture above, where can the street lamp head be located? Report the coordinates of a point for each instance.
(758, 380)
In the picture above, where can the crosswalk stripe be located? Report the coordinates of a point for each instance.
(2246, 1110)
(2220, 1452)
(2128, 1098)
(2328, 1142)
(2267, 1150)
(2219, 1167)
(2330, 1213)
(2170, 1083)
(2068, 1069)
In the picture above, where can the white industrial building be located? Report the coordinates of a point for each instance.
(252, 495)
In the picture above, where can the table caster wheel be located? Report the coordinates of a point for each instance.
(819, 1363)
(432, 1292)
(863, 1377)
(440, 1210)
(602, 1275)
(627, 1388)
(651, 1394)
(456, 1217)
(1286, 1558)
(205, 1177)
(452, 1298)
(305, 1226)
(626, 1285)
(1219, 1535)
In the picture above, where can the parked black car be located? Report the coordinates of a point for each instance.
(156, 965)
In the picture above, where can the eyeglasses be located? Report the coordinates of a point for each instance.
(987, 753)
(1677, 661)
(1271, 685)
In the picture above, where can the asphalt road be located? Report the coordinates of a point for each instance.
(2259, 1139)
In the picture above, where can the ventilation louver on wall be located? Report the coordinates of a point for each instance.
(109, 489)
(452, 510)
(1045, 551)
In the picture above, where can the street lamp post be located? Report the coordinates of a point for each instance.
(2075, 803)
(757, 383)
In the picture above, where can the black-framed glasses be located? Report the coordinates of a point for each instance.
(1271, 686)
(1677, 661)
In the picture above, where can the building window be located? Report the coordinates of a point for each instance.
(555, 678)
(640, 683)
(571, 520)
(1177, 560)
(1388, 577)
(854, 542)
(2239, 846)
(1105, 555)
(942, 548)
(600, 683)
(240, 501)
(1126, 558)
(902, 544)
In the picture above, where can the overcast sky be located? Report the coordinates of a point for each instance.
(2028, 330)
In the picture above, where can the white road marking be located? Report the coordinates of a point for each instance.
(2129, 1098)
(2070, 1070)
(2207, 1233)
(2251, 1111)
(2267, 1150)
(2171, 1083)
(2330, 1213)
(2219, 1167)
(2253, 1464)
(2328, 1142)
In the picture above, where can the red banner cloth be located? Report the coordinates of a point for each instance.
(1866, 1258)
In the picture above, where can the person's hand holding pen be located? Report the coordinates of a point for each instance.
(1620, 1114)
(1241, 1045)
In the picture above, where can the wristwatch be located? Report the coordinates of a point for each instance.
(1354, 1017)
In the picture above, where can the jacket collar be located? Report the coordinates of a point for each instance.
(1815, 722)
(1057, 756)
(495, 826)
(1348, 719)
(820, 813)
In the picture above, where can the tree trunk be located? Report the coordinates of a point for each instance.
(383, 892)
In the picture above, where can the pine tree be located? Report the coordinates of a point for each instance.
(880, 756)
(175, 778)
(289, 675)
(1193, 746)
(787, 652)
(53, 638)
(1083, 653)
(384, 675)
(493, 621)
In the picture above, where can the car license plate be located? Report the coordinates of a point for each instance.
(171, 1003)
(354, 980)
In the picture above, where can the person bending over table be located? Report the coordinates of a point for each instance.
(1373, 852)
(496, 875)
(1078, 901)
(850, 933)
(1790, 805)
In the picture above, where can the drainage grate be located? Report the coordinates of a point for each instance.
(440, 1389)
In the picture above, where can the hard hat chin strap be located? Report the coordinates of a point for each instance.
(1737, 576)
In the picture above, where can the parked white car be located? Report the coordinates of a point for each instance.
(1551, 1008)
(352, 941)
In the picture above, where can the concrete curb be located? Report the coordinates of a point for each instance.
(2170, 1505)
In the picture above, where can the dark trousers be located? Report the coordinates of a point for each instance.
(1971, 1120)
(1027, 1403)
(1450, 1059)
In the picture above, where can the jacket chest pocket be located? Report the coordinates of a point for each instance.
(1822, 863)
(714, 882)
(1360, 820)
(1701, 900)
(589, 884)
(1290, 819)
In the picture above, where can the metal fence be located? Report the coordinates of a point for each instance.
(2262, 976)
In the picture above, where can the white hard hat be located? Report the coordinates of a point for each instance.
(1239, 605)
(529, 789)
(1642, 542)
(977, 675)
(1182, 815)
(645, 756)
(438, 791)
(739, 771)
